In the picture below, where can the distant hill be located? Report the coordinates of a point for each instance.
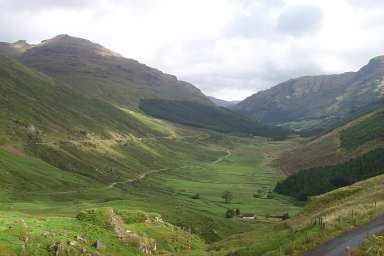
(96, 72)
(316, 104)
(223, 103)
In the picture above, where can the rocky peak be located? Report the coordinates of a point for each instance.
(375, 65)
(66, 44)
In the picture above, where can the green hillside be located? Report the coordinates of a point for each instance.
(348, 154)
(349, 141)
(340, 211)
(369, 129)
(323, 179)
(34, 103)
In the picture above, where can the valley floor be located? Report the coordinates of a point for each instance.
(238, 165)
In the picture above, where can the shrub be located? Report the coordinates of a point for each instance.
(230, 213)
(227, 196)
(196, 196)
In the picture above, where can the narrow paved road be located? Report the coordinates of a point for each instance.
(353, 239)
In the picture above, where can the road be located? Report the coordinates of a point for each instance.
(353, 239)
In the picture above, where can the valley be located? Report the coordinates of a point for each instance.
(103, 155)
(168, 191)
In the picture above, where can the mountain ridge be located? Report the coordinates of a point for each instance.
(97, 72)
(319, 103)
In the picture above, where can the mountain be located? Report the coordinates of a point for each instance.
(96, 72)
(223, 103)
(315, 104)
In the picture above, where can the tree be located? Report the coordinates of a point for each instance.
(227, 196)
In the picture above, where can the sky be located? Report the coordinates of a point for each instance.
(229, 49)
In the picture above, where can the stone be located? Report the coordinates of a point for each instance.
(79, 238)
(98, 245)
(72, 243)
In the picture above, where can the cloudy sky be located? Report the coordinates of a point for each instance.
(228, 48)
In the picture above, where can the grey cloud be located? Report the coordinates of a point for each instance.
(271, 73)
(300, 20)
(254, 19)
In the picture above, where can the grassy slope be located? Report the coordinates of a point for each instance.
(371, 129)
(316, 181)
(341, 210)
(330, 149)
(59, 112)
(373, 246)
(27, 235)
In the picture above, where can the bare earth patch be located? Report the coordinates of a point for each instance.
(13, 150)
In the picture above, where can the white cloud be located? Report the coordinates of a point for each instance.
(228, 48)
